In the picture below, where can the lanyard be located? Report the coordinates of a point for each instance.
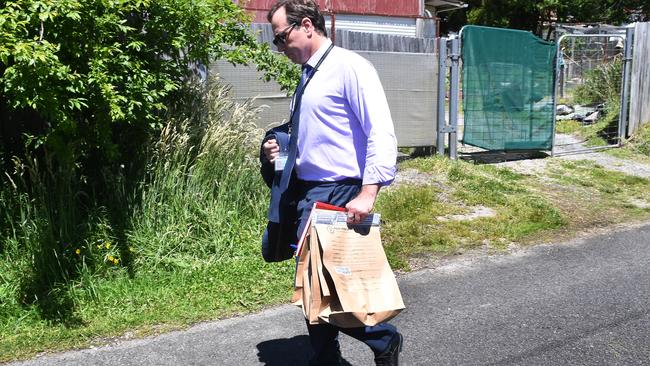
(302, 90)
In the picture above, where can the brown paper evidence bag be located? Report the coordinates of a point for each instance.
(342, 274)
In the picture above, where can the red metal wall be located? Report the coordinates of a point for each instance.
(404, 8)
(410, 8)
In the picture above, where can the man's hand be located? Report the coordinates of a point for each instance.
(362, 204)
(271, 150)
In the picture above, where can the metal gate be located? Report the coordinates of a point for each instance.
(592, 83)
(508, 89)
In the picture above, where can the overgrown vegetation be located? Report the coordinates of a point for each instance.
(640, 142)
(635, 148)
(188, 252)
(119, 174)
(602, 85)
(202, 189)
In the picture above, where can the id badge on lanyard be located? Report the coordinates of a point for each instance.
(281, 160)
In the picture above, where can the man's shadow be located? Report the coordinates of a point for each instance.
(287, 352)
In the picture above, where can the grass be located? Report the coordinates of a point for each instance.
(572, 196)
(415, 223)
(605, 194)
(637, 147)
(148, 303)
(640, 142)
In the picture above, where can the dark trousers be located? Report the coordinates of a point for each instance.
(324, 337)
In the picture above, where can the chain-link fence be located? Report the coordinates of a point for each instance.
(589, 86)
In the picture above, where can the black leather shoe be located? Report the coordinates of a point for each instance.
(334, 359)
(390, 357)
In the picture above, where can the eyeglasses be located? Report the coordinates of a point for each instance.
(281, 38)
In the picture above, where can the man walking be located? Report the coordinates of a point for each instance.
(341, 150)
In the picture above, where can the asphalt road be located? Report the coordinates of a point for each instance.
(584, 302)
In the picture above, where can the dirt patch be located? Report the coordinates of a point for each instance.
(415, 177)
(608, 162)
(477, 212)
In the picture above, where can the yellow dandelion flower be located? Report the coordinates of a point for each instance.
(111, 258)
(78, 251)
(116, 261)
(108, 245)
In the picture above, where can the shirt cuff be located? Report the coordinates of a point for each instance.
(383, 176)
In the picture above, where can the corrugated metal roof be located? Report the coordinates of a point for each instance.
(445, 3)
(405, 8)
(375, 24)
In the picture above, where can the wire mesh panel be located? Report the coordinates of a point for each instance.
(508, 89)
(582, 54)
(589, 85)
(409, 81)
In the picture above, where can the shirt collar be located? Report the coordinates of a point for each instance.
(313, 60)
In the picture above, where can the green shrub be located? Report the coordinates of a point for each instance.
(602, 84)
(100, 74)
(85, 86)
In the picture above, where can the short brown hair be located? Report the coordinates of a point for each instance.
(299, 9)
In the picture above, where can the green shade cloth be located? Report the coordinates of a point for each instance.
(508, 89)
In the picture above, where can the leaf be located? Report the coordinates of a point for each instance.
(74, 15)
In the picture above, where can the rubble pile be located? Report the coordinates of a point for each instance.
(587, 115)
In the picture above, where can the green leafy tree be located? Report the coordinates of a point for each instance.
(98, 75)
(533, 15)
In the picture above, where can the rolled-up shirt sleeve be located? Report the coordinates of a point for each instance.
(367, 100)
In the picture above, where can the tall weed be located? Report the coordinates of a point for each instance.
(602, 84)
(79, 262)
(42, 230)
(203, 199)
(640, 142)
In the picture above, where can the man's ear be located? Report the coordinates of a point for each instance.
(307, 24)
